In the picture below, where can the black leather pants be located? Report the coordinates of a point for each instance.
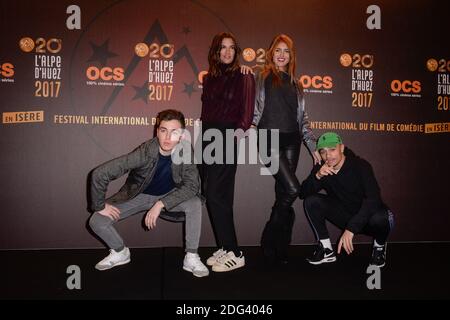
(277, 233)
(287, 186)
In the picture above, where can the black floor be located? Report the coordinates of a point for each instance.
(413, 271)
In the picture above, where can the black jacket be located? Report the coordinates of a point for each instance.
(354, 187)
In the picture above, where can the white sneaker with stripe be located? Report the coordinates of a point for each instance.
(114, 259)
(192, 263)
(216, 256)
(229, 262)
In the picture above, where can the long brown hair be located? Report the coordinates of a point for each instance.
(269, 65)
(214, 54)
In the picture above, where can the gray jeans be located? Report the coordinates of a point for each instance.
(103, 226)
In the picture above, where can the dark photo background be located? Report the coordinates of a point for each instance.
(44, 165)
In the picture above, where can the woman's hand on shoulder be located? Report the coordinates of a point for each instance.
(246, 70)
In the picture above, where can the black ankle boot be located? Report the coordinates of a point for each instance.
(277, 235)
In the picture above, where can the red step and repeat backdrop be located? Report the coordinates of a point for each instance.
(81, 83)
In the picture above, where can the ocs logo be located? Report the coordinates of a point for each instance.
(316, 82)
(6, 70)
(406, 86)
(106, 73)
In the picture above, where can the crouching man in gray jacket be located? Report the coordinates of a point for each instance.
(154, 182)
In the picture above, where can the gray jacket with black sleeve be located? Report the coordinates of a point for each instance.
(302, 117)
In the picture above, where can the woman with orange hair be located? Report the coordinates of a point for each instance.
(280, 105)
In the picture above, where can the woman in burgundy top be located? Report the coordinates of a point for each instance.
(228, 102)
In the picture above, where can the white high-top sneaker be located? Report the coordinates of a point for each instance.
(114, 259)
(192, 263)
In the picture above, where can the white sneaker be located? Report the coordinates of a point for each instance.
(229, 262)
(114, 259)
(216, 256)
(192, 263)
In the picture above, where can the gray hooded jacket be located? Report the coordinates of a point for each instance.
(141, 165)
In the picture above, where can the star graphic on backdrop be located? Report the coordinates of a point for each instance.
(101, 53)
(141, 92)
(189, 88)
(186, 30)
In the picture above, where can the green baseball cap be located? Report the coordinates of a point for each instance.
(328, 140)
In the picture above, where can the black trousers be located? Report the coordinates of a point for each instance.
(287, 186)
(277, 233)
(320, 207)
(218, 182)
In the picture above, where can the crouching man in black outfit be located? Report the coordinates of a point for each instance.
(352, 203)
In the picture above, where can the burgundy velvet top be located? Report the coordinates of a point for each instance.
(229, 99)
